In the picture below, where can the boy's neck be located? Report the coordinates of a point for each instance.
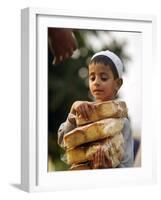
(100, 101)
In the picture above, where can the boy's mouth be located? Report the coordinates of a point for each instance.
(97, 91)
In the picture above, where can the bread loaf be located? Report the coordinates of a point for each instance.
(92, 132)
(84, 166)
(104, 110)
(113, 148)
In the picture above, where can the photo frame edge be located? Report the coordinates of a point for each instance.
(28, 85)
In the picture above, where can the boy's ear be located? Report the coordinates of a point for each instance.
(119, 83)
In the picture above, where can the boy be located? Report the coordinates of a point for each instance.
(105, 79)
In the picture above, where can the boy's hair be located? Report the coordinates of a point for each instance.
(106, 61)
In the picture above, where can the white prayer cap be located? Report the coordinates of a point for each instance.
(115, 59)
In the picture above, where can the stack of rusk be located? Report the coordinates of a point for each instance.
(104, 128)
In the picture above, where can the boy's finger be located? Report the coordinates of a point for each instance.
(99, 157)
(94, 161)
(92, 107)
(79, 111)
(103, 159)
(87, 111)
(83, 112)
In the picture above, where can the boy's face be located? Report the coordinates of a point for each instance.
(102, 84)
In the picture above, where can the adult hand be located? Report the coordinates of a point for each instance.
(62, 43)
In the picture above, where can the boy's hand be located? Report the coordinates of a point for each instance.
(83, 109)
(99, 160)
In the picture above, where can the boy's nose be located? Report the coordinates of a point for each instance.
(97, 81)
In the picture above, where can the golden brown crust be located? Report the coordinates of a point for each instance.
(104, 110)
(113, 148)
(84, 166)
(93, 132)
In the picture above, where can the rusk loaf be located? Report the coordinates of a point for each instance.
(113, 148)
(83, 166)
(108, 109)
(93, 132)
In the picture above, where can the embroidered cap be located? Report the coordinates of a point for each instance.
(115, 59)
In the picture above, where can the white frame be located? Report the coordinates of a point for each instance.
(34, 176)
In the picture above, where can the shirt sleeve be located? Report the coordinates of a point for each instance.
(63, 129)
(128, 157)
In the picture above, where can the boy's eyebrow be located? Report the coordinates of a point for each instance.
(101, 73)
(92, 73)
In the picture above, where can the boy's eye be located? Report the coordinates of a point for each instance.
(92, 78)
(104, 78)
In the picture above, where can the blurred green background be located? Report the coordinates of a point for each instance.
(68, 82)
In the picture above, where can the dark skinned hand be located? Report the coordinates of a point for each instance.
(62, 43)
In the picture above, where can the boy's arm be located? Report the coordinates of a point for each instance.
(128, 157)
(65, 128)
